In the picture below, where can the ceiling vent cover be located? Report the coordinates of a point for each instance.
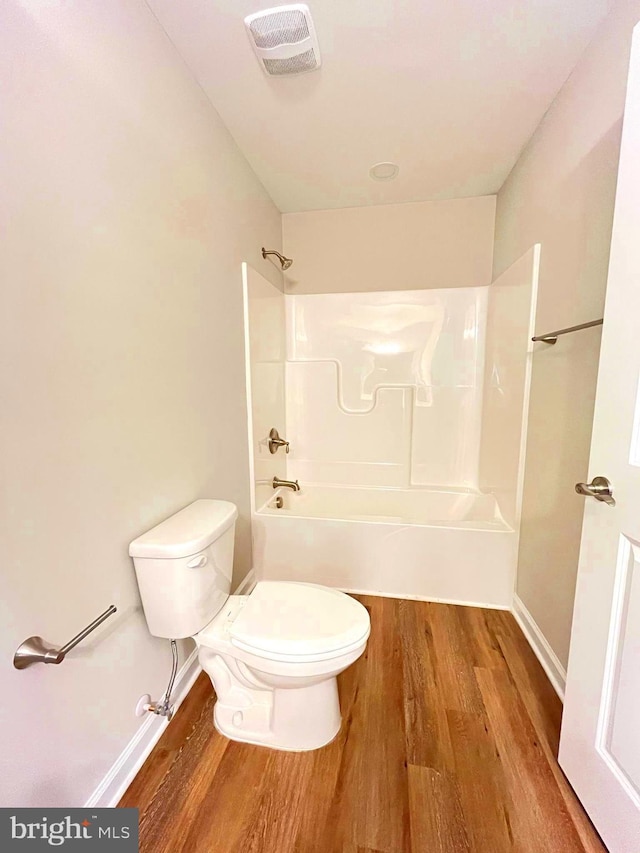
(284, 39)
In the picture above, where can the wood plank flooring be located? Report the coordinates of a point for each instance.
(448, 744)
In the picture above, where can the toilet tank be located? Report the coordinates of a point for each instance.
(184, 567)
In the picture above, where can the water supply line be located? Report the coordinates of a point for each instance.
(165, 708)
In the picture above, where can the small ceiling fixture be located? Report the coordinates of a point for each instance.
(384, 171)
(284, 39)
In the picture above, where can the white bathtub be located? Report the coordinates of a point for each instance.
(412, 543)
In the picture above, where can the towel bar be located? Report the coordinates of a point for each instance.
(36, 650)
(552, 337)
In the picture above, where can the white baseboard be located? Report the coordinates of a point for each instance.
(246, 584)
(378, 594)
(115, 783)
(555, 671)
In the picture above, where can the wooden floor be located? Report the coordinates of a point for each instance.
(448, 743)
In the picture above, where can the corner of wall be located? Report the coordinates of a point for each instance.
(549, 661)
(493, 237)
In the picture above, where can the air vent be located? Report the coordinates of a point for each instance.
(276, 27)
(284, 40)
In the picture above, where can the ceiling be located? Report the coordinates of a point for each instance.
(450, 90)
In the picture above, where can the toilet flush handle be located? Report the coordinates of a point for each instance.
(197, 562)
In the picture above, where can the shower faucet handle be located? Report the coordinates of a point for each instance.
(275, 442)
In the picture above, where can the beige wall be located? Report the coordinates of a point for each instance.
(126, 212)
(391, 247)
(561, 194)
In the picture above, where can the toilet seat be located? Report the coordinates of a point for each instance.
(274, 656)
(298, 622)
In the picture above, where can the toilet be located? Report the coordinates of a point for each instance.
(273, 655)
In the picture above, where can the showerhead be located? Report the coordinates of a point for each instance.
(285, 263)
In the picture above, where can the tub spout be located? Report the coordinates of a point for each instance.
(288, 484)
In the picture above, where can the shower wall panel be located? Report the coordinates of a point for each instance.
(385, 389)
(265, 364)
(508, 362)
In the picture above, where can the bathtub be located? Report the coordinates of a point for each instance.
(438, 545)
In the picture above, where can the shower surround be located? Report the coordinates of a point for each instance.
(381, 396)
(385, 389)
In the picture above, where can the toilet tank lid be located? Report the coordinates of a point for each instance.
(187, 532)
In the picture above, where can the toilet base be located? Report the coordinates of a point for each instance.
(294, 719)
(291, 705)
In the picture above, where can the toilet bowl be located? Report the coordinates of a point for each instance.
(273, 655)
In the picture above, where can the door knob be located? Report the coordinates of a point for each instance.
(599, 488)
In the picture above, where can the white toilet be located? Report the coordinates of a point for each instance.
(273, 655)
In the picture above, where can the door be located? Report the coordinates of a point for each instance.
(600, 742)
